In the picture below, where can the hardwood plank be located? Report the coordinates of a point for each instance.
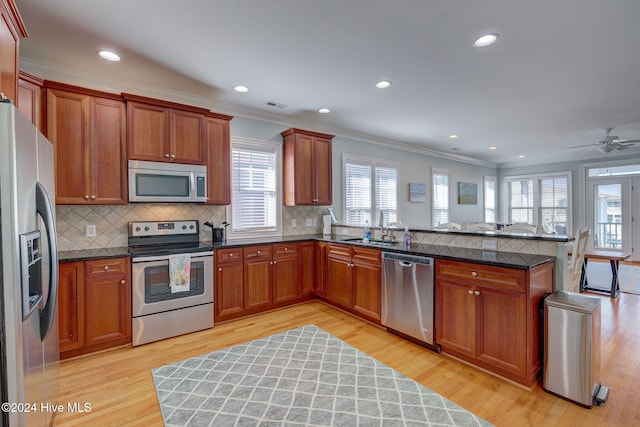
(119, 386)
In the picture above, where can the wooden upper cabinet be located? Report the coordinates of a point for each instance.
(307, 168)
(164, 131)
(88, 130)
(30, 99)
(218, 161)
(11, 30)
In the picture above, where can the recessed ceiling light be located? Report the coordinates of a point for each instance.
(454, 136)
(109, 56)
(521, 156)
(241, 89)
(324, 111)
(493, 147)
(486, 40)
(383, 84)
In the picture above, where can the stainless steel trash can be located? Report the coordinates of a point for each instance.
(572, 348)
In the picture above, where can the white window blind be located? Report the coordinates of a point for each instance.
(521, 201)
(490, 199)
(554, 203)
(370, 187)
(440, 202)
(254, 198)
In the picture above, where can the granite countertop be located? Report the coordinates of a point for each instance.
(499, 259)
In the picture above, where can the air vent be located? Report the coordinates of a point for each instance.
(275, 104)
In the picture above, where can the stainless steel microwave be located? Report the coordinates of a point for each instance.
(167, 182)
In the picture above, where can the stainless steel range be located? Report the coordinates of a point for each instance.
(172, 280)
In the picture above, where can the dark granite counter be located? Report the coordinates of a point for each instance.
(500, 259)
(89, 254)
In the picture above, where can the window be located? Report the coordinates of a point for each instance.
(255, 188)
(490, 198)
(370, 187)
(541, 199)
(440, 204)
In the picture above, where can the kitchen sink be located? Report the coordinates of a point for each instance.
(373, 242)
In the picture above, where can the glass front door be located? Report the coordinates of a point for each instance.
(608, 214)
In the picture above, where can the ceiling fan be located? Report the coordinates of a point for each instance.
(611, 142)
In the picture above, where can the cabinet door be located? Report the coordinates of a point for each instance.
(107, 309)
(501, 329)
(11, 29)
(30, 96)
(70, 305)
(305, 192)
(367, 279)
(218, 161)
(108, 152)
(148, 132)
(229, 289)
(258, 289)
(322, 171)
(186, 137)
(286, 286)
(339, 286)
(321, 268)
(306, 268)
(456, 316)
(68, 127)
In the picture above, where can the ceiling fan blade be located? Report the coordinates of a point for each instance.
(629, 141)
(583, 146)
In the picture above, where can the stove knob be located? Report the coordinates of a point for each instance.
(137, 228)
(184, 227)
(146, 229)
(191, 227)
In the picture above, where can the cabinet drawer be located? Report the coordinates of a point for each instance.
(497, 277)
(339, 251)
(370, 255)
(285, 249)
(258, 252)
(105, 267)
(228, 255)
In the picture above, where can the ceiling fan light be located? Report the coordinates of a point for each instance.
(607, 148)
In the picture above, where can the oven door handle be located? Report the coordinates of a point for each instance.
(166, 258)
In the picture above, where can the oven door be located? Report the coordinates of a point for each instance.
(151, 290)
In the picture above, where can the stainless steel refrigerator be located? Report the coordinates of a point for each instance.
(29, 346)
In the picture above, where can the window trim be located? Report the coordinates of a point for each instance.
(266, 146)
(536, 194)
(373, 162)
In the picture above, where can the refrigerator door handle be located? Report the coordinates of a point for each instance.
(44, 209)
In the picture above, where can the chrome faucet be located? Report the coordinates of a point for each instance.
(383, 235)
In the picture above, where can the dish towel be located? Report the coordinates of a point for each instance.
(179, 272)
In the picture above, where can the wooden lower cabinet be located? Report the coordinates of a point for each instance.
(257, 278)
(489, 316)
(94, 305)
(307, 268)
(353, 279)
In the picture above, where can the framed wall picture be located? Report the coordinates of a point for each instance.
(417, 192)
(467, 193)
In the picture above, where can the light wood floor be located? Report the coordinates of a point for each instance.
(119, 387)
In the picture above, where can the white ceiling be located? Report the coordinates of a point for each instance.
(561, 71)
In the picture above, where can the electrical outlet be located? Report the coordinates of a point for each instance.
(309, 222)
(294, 222)
(90, 230)
(491, 245)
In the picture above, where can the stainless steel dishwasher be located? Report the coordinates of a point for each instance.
(408, 297)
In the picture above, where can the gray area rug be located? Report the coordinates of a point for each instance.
(301, 377)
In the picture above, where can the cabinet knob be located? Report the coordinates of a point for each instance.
(173, 156)
(470, 292)
(106, 268)
(270, 262)
(259, 252)
(275, 262)
(476, 293)
(286, 249)
(219, 268)
(86, 197)
(474, 274)
(166, 155)
(93, 197)
(123, 282)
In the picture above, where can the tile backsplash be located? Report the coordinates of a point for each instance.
(111, 221)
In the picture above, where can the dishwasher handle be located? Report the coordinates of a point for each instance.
(407, 264)
(406, 260)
